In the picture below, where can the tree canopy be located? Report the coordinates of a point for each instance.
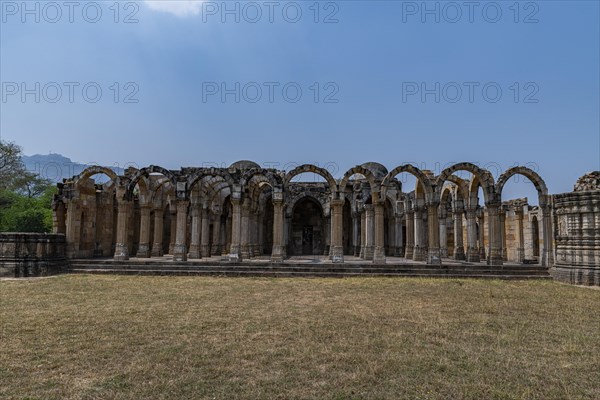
(25, 197)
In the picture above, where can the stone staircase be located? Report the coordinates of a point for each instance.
(291, 269)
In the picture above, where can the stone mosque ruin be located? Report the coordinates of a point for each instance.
(248, 215)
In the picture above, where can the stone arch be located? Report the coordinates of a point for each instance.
(291, 203)
(197, 175)
(272, 178)
(145, 173)
(422, 178)
(359, 169)
(484, 178)
(530, 174)
(94, 170)
(314, 169)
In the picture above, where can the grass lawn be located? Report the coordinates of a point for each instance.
(118, 337)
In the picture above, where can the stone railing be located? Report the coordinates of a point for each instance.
(31, 254)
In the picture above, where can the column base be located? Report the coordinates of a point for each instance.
(520, 255)
(143, 251)
(194, 251)
(157, 250)
(409, 252)
(459, 253)
(433, 256)
(215, 250)
(278, 253)
(337, 254)
(235, 254)
(179, 252)
(443, 252)
(419, 254)
(495, 260)
(379, 255)
(482, 255)
(245, 252)
(205, 250)
(473, 255)
(369, 252)
(327, 250)
(121, 252)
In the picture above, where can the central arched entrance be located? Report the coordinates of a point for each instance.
(308, 228)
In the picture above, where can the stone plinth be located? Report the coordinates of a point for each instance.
(31, 254)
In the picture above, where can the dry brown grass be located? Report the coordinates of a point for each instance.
(115, 337)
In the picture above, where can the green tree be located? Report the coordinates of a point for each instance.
(25, 198)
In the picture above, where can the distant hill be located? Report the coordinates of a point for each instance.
(55, 167)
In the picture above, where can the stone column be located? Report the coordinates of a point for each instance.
(337, 244)
(122, 247)
(235, 252)
(278, 252)
(369, 232)
(180, 248)
(481, 221)
(355, 234)
(520, 234)
(379, 253)
(72, 228)
(157, 245)
(457, 216)
(363, 233)
(472, 250)
(548, 251)
(433, 229)
(495, 245)
(419, 251)
(144, 247)
(410, 233)
(327, 235)
(215, 249)
(502, 216)
(205, 236)
(443, 216)
(196, 231)
(173, 228)
(398, 235)
(245, 230)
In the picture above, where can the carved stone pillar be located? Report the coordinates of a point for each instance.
(58, 217)
(180, 248)
(235, 252)
(495, 245)
(245, 230)
(457, 217)
(205, 236)
(215, 248)
(399, 252)
(196, 231)
(337, 245)
(379, 253)
(157, 245)
(363, 233)
(520, 234)
(327, 235)
(172, 228)
(410, 234)
(355, 234)
(122, 247)
(472, 249)
(419, 252)
(481, 239)
(433, 228)
(548, 250)
(144, 247)
(278, 253)
(443, 216)
(72, 228)
(502, 216)
(369, 232)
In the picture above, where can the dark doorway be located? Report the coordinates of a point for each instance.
(307, 228)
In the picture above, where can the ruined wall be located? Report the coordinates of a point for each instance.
(577, 233)
(31, 254)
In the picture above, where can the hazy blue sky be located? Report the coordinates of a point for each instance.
(370, 61)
